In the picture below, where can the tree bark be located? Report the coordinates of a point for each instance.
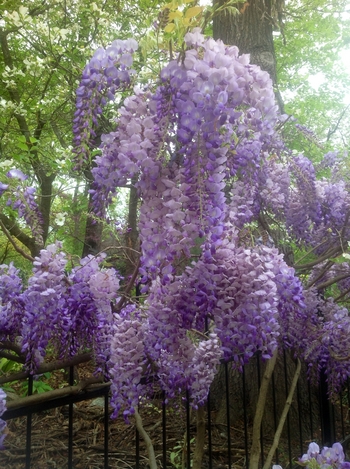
(251, 30)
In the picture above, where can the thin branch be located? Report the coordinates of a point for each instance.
(330, 253)
(328, 265)
(281, 423)
(332, 281)
(200, 439)
(342, 295)
(7, 345)
(335, 128)
(54, 394)
(309, 252)
(11, 357)
(260, 408)
(149, 445)
(12, 241)
(45, 367)
(129, 287)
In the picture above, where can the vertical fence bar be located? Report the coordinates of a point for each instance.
(188, 430)
(106, 428)
(29, 425)
(227, 388)
(261, 428)
(210, 449)
(288, 416)
(274, 410)
(137, 449)
(342, 415)
(70, 422)
(333, 429)
(310, 407)
(327, 428)
(245, 419)
(300, 421)
(164, 429)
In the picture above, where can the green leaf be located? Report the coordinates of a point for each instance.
(22, 146)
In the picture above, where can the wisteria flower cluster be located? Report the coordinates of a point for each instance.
(209, 120)
(206, 159)
(327, 458)
(326, 346)
(69, 311)
(21, 197)
(108, 71)
(11, 305)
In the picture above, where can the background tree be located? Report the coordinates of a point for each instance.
(44, 47)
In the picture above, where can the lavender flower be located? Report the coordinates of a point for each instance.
(328, 458)
(45, 303)
(107, 72)
(22, 199)
(11, 306)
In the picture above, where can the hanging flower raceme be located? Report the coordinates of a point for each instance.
(127, 364)
(45, 303)
(326, 346)
(21, 197)
(70, 312)
(108, 71)
(209, 120)
(89, 308)
(11, 305)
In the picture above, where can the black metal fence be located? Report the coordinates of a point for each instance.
(173, 426)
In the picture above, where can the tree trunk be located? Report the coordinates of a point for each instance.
(251, 30)
(93, 234)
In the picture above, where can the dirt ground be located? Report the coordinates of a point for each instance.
(49, 436)
(49, 446)
(50, 441)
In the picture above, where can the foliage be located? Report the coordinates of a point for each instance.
(312, 51)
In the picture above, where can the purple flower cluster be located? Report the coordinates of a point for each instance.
(313, 210)
(327, 343)
(127, 361)
(107, 72)
(22, 199)
(274, 188)
(210, 120)
(2, 422)
(328, 458)
(303, 222)
(44, 300)
(246, 298)
(69, 312)
(11, 306)
(88, 309)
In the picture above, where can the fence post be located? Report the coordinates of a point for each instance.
(29, 425)
(326, 411)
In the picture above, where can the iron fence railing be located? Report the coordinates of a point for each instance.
(173, 428)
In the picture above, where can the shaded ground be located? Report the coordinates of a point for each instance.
(50, 440)
(50, 437)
